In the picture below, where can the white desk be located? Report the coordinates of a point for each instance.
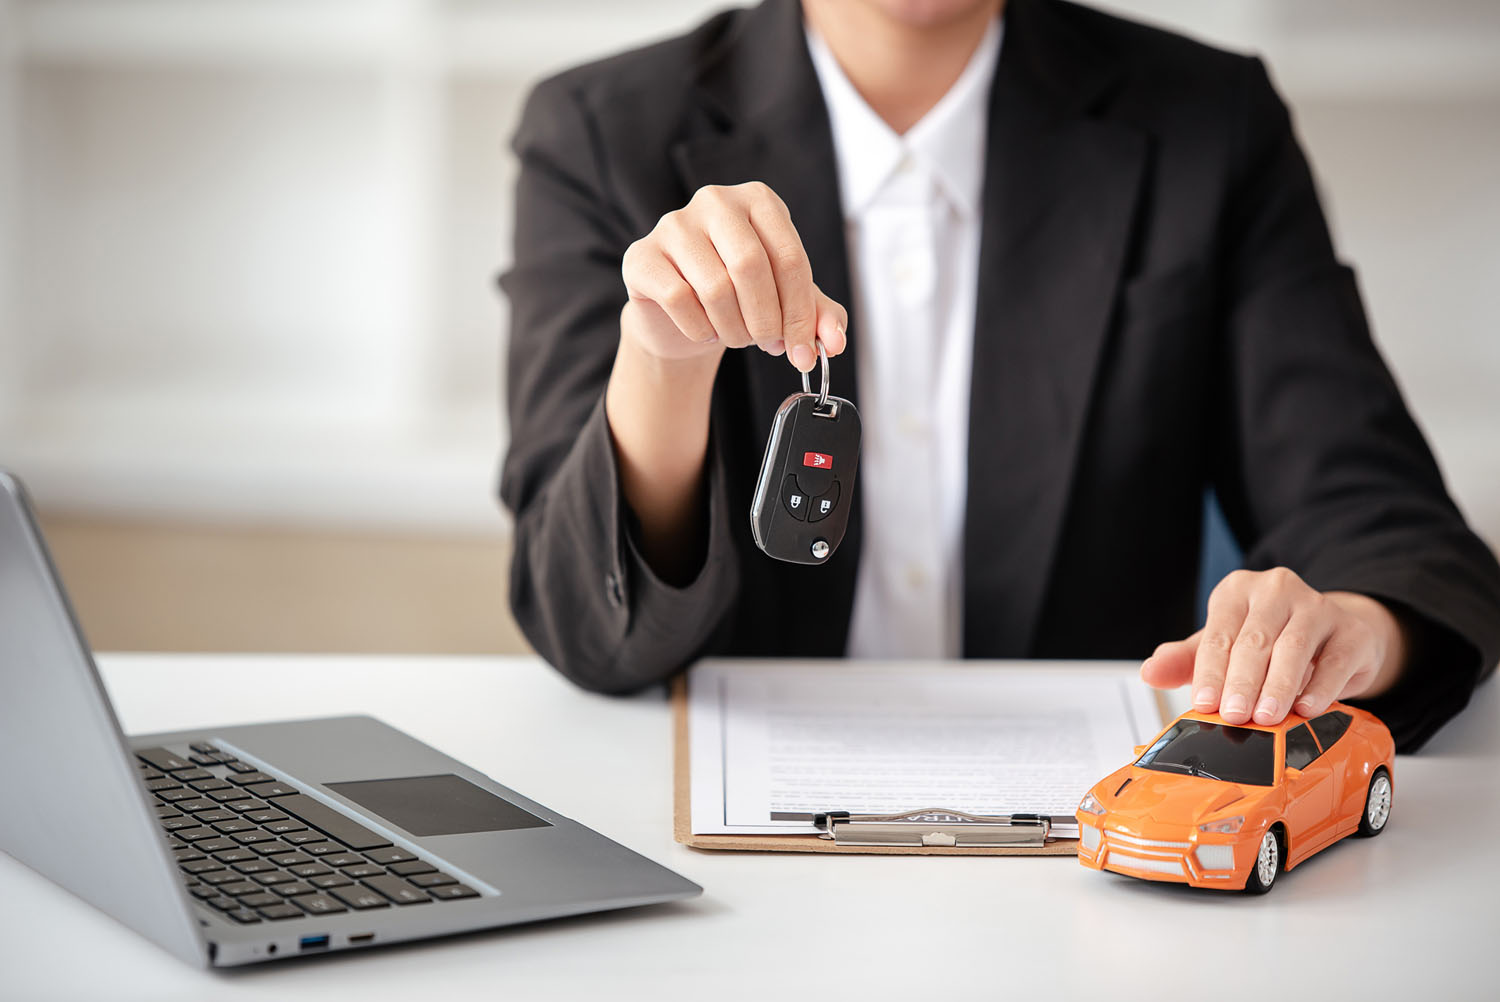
(1410, 915)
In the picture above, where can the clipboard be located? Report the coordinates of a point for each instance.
(682, 829)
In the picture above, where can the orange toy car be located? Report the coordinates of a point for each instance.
(1222, 805)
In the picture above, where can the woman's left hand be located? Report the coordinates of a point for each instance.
(1272, 644)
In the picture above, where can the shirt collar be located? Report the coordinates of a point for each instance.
(948, 141)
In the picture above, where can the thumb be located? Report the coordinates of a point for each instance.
(1171, 664)
(833, 322)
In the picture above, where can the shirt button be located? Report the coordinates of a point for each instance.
(612, 590)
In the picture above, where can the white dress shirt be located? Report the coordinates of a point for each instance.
(911, 207)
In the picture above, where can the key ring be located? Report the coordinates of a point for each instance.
(823, 389)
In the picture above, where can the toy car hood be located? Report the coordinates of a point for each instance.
(1144, 795)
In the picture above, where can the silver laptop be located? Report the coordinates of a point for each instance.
(237, 845)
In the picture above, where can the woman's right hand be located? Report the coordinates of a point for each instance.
(728, 270)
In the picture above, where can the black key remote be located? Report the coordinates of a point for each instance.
(806, 486)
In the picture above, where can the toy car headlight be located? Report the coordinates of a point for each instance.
(1089, 805)
(1224, 826)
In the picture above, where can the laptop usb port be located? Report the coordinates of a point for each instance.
(314, 943)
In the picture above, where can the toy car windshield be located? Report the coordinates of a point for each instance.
(1214, 751)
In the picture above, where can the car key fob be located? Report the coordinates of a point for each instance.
(806, 486)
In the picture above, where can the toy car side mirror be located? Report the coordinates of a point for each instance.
(1292, 772)
(1139, 750)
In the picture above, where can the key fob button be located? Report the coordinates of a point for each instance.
(794, 498)
(820, 549)
(824, 503)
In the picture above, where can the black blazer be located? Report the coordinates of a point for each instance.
(1160, 310)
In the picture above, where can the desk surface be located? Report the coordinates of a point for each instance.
(1408, 915)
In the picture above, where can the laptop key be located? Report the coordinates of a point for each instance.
(177, 824)
(386, 857)
(252, 837)
(273, 848)
(186, 855)
(285, 826)
(273, 878)
(205, 785)
(293, 889)
(277, 912)
(196, 805)
(165, 783)
(195, 834)
(172, 796)
(362, 871)
(359, 898)
(223, 904)
(329, 821)
(261, 817)
(318, 904)
(203, 893)
(255, 865)
(332, 880)
(269, 790)
(310, 870)
(322, 849)
(243, 915)
(189, 775)
(160, 758)
(250, 778)
(217, 814)
(148, 773)
(260, 899)
(342, 859)
(224, 796)
(453, 892)
(203, 748)
(291, 859)
(246, 806)
(239, 888)
(299, 838)
(432, 880)
(412, 867)
(214, 878)
(236, 855)
(219, 844)
(398, 890)
(232, 826)
(240, 767)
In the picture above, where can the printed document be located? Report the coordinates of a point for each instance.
(886, 737)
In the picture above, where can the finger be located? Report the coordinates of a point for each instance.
(1292, 660)
(777, 347)
(744, 259)
(1227, 605)
(833, 324)
(1343, 666)
(690, 250)
(794, 285)
(651, 277)
(1250, 657)
(1171, 664)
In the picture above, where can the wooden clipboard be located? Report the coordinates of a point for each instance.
(682, 823)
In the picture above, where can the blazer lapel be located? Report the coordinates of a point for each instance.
(767, 122)
(1059, 200)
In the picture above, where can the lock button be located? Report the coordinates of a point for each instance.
(794, 498)
(824, 503)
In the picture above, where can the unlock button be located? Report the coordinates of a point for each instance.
(824, 503)
(795, 500)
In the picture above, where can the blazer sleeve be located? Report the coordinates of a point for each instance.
(1319, 464)
(579, 587)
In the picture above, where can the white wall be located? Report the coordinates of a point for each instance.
(255, 240)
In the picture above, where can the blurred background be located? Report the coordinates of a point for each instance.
(251, 345)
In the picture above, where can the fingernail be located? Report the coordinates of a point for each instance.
(803, 357)
(1304, 707)
(1204, 698)
(1266, 710)
(1234, 705)
(777, 347)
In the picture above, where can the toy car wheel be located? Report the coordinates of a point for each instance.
(1377, 805)
(1267, 864)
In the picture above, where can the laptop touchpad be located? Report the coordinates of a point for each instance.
(437, 805)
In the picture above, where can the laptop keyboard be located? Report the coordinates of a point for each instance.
(256, 849)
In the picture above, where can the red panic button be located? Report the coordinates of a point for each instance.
(817, 460)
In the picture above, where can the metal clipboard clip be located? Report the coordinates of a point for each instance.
(933, 826)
